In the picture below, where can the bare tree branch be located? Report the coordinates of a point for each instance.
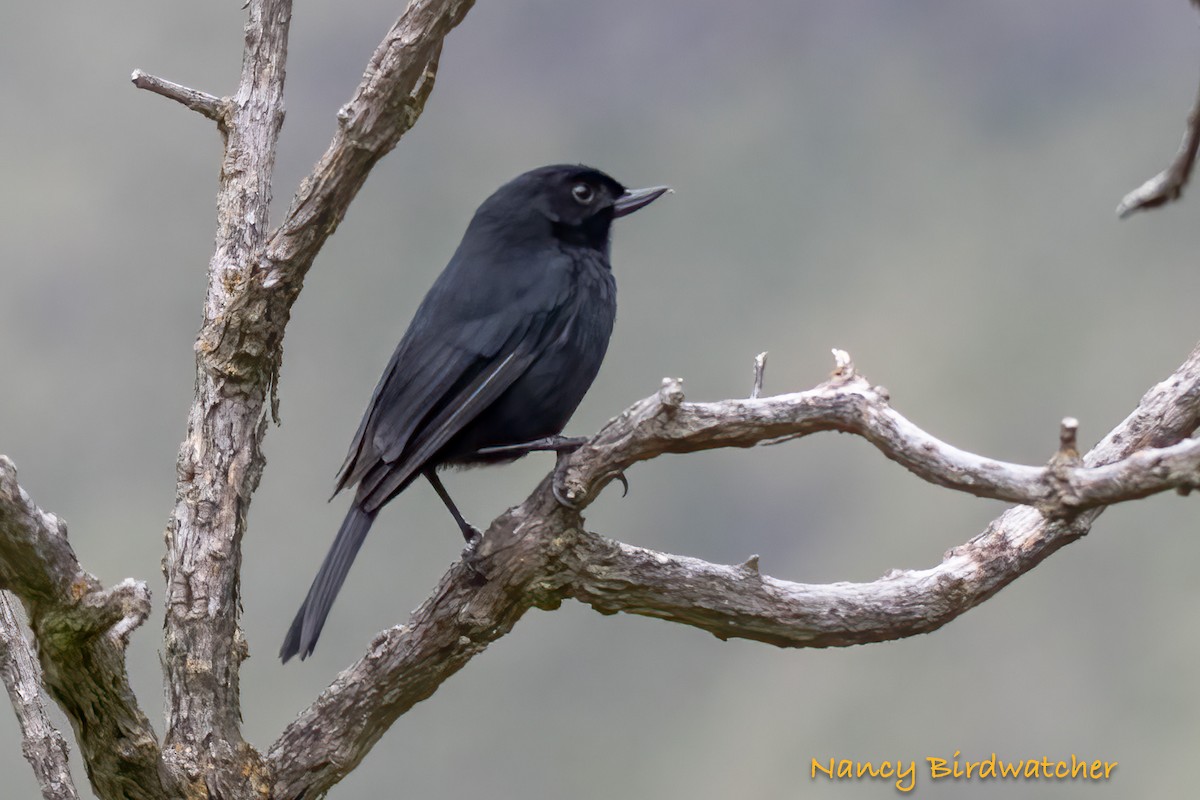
(254, 278)
(220, 461)
(538, 554)
(212, 107)
(848, 403)
(251, 289)
(403, 666)
(386, 104)
(41, 743)
(81, 631)
(738, 602)
(1167, 185)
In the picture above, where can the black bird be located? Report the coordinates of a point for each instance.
(495, 361)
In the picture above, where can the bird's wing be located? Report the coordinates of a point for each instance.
(410, 382)
(452, 364)
(403, 459)
(420, 376)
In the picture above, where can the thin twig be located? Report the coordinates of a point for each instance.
(1167, 185)
(760, 367)
(201, 102)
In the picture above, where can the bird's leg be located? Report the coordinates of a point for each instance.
(469, 531)
(559, 444)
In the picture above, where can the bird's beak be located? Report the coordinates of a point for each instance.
(633, 199)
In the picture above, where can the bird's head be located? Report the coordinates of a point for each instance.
(578, 203)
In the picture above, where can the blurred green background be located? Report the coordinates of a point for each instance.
(929, 185)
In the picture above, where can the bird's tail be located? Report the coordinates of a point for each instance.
(306, 627)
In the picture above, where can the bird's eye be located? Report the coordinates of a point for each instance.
(583, 193)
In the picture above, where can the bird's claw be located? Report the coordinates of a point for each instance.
(574, 505)
(616, 475)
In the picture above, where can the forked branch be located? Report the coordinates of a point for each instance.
(539, 554)
(663, 423)
(81, 631)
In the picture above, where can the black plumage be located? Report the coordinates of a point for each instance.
(499, 354)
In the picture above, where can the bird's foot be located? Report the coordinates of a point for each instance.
(473, 536)
(559, 479)
(470, 553)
